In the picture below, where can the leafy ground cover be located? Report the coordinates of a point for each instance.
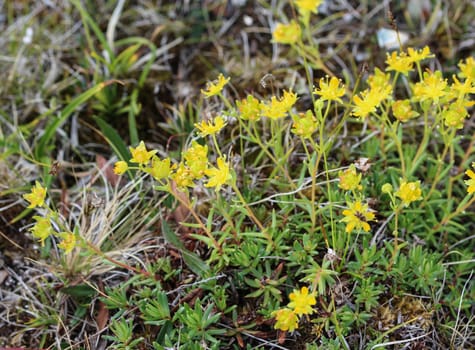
(237, 175)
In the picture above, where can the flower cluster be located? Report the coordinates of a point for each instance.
(43, 228)
(407, 192)
(301, 302)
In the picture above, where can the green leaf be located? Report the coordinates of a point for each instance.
(192, 260)
(80, 291)
(114, 139)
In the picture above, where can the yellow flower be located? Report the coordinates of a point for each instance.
(213, 89)
(301, 301)
(462, 89)
(286, 319)
(454, 116)
(467, 69)
(210, 127)
(278, 108)
(402, 110)
(196, 158)
(218, 176)
(120, 167)
(287, 33)
(366, 104)
(470, 182)
(304, 125)
(140, 154)
(409, 192)
(308, 5)
(68, 243)
(249, 108)
(183, 177)
(160, 169)
(432, 87)
(42, 229)
(330, 91)
(417, 56)
(37, 196)
(399, 63)
(357, 216)
(380, 83)
(350, 179)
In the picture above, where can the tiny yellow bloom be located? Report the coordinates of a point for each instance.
(160, 169)
(183, 177)
(432, 87)
(470, 182)
(120, 167)
(350, 179)
(37, 196)
(467, 69)
(196, 158)
(68, 243)
(417, 56)
(308, 5)
(330, 91)
(287, 33)
(462, 89)
(357, 216)
(210, 127)
(42, 228)
(215, 88)
(366, 104)
(399, 63)
(381, 83)
(302, 302)
(278, 108)
(140, 154)
(403, 111)
(409, 192)
(454, 116)
(304, 125)
(250, 108)
(286, 319)
(218, 176)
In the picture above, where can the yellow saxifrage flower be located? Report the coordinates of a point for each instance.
(286, 319)
(304, 125)
(470, 182)
(213, 89)
(402, 110)
(120, 167)
(454, 116)
(350, 179)
(302, 302)
(218, 176)
(160, 169)
(210, 127)
(357, 216)
(37, 196)
(409, 192)
(249, 108)
(140, 154)
(366, 104)
(380, 84)
(432, 87)
(308, 5)
(467, 69)
(196, 158)
(183, 177)
(278, 108)
(68, 243)
(287, 33)
(330, 91)
(399, 63)
(42, 229)
(417, 56)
